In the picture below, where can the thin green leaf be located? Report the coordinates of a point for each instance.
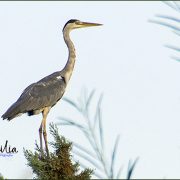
(89, 100)
(71, 122)
(100, 122)
(177, 33)
(113, 157)
(87, 134)
(171, 5)
(119, 172)
(165, 24)
(131, 168)
(169, 17)
(177, 5)
(83, 129)
(175, 58)
(173, 47)
(64, 124)
(76, 145)
(84, 98)
(87, 158)
(96, 116)
(71, 103)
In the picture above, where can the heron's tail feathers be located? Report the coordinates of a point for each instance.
(12, 112)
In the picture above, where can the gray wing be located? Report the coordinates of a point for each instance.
(44, 93)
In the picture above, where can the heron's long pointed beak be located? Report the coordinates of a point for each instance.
(88, 24)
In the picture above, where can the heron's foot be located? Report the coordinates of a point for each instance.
(41, 152)
(47, 152)
(41, 155)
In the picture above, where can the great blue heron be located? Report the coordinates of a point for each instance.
(41, 96)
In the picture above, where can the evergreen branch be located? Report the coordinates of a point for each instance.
(1, 177)
(95, 173)
(59, 164)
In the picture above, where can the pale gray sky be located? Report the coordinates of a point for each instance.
(125, 59)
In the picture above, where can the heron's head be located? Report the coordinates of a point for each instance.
(75, 24)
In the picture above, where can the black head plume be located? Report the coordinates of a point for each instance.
(70, 21)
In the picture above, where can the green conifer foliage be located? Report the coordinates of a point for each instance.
(59, 164)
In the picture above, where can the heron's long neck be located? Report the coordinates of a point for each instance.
(67, 70)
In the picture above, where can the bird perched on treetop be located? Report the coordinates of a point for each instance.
(41, 96)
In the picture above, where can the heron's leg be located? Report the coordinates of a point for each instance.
(40, 136)
(45, 137)
(45, 113)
